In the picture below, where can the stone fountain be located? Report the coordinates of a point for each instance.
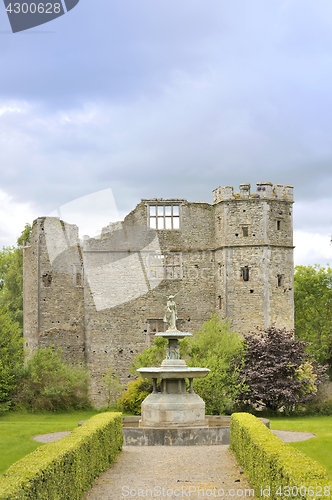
(175, 416)
(174, 406)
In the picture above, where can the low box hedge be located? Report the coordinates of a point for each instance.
(275, 469)
(65, 469)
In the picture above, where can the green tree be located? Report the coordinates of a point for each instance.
(11, 279)
(47, 383)
(11, 317)
(11, 359)
(313, 310)
(216, 347)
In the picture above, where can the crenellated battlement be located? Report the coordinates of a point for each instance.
(264, 190)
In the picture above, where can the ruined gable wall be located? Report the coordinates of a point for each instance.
(56, 317)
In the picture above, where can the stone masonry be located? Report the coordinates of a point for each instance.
(97, 300)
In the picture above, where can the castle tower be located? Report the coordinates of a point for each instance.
(254, 255)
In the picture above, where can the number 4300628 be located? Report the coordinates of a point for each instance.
(33, 8)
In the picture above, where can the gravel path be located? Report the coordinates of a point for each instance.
(48, 438)
(293, 436)
(170, 471)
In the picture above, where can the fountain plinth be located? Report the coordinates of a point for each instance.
(174, 406)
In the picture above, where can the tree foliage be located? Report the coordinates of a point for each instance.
(11, 359)
(49, 384)
(11, 279)
(277, 371)
(313, 310)
(216, 347)
(11, 318)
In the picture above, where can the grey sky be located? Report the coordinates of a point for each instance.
(169, 99)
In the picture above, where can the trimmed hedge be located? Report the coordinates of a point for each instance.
(273, 466)
(65, 469)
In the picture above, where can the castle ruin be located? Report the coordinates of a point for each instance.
(96, 298)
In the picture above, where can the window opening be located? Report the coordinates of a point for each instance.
(167, 266)
(278, 225)
(280, 280)
(245, 273)
(164, 217)
(77, 275)
(219, 299)
(47, 279)
(245, 231)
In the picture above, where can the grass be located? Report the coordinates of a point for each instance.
(17, 429)
(318, 448)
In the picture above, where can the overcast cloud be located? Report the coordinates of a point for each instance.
(169, 99)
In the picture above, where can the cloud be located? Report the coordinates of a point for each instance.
(157, 99)
(13, 217)
(312, 248)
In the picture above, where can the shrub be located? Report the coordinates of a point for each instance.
(49, 384)
(272, 465)
(216, 347)
(278, 372)
(65, 469)
(136, 392)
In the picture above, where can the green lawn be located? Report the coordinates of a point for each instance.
(17, 429)
(318, 448)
